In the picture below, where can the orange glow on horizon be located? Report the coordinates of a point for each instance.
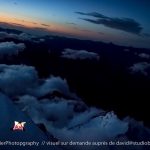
(50, 27)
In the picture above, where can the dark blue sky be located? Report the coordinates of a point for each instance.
(119, 21)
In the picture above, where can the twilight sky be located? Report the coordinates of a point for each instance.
(122, 22)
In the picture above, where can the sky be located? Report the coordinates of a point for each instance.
(121, 22)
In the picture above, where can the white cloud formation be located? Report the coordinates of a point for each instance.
(70, 125)
(79, 54)
(21, 37)
(66, 119)
(17, 79)
(11, 48)
(54, 84)
(61, 120)
(25, 81)
(141, 67)
(3, 35)
(62, 117)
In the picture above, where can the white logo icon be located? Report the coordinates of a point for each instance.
(19, 126)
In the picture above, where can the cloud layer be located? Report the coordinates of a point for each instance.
(71, 124)
(10, 48)
(21, 37)
(141, 68)
(25, 81)
(17, 79)
(79, 54)
(65, 118)
(124, 24)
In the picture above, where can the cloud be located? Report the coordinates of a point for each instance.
(10, 48)
(66, 119)
(99, 128)
(45, 25)
(71, 23)
(54, 85)
(144, 55)
(42, 40)
(93, 14)
(65, 124)
(17, 79)
(21, 37)
(25, 37)
(25, 80)
(21, 20)
(79, 54)
(124, 24)
(70, 125)
(45, 110)
(3, 35)
(62, 117)
(141, 67)
(18, 24)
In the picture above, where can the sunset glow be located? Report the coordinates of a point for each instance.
(75, 19)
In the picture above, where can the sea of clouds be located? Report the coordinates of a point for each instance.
(50, 102)
(65, 119)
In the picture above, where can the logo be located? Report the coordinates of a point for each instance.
(19, 126)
